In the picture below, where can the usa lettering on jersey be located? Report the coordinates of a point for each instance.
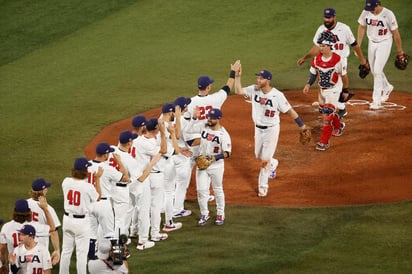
(30, 258)
(263, 101)
(210, 137)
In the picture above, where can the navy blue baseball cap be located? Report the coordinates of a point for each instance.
(139, 121)
(40, 184)
(127, 136)
(168, 107)
(265, 74)
(81, 163)
(103, 148)
(28, 230)
(329, 13)
(152, 124)
(370, 5)
(21, 206)
(204, 81)
(215, 113)
(182, 102)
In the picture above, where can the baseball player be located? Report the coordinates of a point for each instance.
(343, 38)
(78, 195)
(40, 189)
(139, 125)
(102, 212)
(30, 257)
(205, 101)
(215, 141)
(171, 115)
(22, 215)
(382, 29)
(267, 104)
(182, 162)
(148, 146)
(331, 73)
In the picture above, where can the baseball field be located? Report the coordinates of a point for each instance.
(74, 72)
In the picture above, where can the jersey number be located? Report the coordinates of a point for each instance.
(37, 270)
(203, 112)
(338, 46)
(90, 178)
(382, 31)
(16, 239)
(270, 113)
(114, 163)
(73, 197)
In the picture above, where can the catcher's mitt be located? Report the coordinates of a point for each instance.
(345, 95)
(204, 161)
(305, 135)
(364, 70)
(401, 61)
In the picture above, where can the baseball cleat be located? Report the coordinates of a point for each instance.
(322, 147)
(172, 227)
(211, 198)
(183, 213)
(219, 220)
(146, 245)
(386, 93)
(203, 219)
(263, 192)
(160, 237)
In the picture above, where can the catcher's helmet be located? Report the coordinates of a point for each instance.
(326, 38)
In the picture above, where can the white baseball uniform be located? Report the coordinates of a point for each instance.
(212, 142)
(151, 201)
(379, 31)
(78, 196)
(34, 260)
(265, 115)
(102, 213)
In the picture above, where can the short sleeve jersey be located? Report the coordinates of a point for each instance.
(38, 213)
(343, 37)
(267, 106)
(378, 27)
(109, 178)
(214, 142)
(78, 195)
(35, 260)
(132, 166)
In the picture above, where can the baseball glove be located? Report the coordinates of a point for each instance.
(345, 95)
(204, 161)
(401, 61)
(305, 135)
(364, 70)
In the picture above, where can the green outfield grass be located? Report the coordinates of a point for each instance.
(69, 68)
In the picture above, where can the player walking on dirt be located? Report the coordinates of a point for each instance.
(328, 68)
(267, 103)
(382, 29)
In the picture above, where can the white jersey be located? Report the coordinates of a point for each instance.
(109, 178)
(35, 260)
(134, 169)
(78, 195)
(38, 213)
(146, 148)
(343, 36)
(380, 26)
(266, 107)
(205, 104)
(11, 237)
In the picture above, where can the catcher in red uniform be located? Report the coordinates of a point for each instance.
(332, 78)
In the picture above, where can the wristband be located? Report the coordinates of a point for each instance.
(311, 79)
(299, 122)
(232, 74)
(345, 90)
(219, 156)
